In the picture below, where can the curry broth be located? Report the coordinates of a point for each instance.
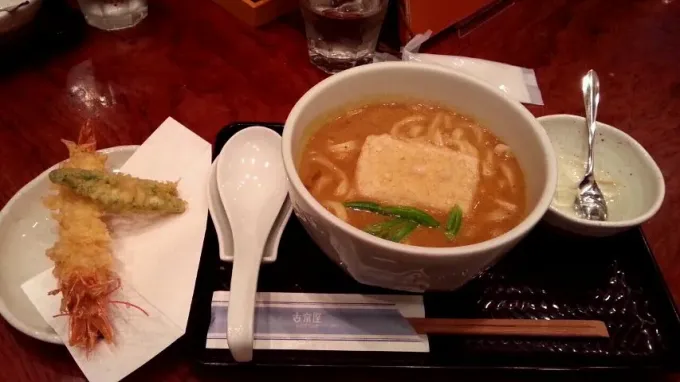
(355, 124)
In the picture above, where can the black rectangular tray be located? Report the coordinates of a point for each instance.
(547, 276)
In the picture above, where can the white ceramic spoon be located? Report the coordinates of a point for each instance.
(252, 186)
(220, 220)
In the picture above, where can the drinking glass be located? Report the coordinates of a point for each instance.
(342, 33)
(113, 15)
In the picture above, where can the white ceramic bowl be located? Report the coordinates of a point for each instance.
(26, 231)
(639, 182)
(374, 261)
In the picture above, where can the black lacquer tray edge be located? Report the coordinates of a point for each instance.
(197, 325)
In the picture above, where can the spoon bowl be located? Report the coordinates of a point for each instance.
(252, 186)
(225, 238)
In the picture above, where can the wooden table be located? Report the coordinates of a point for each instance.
(194, 62)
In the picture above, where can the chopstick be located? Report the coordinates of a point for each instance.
(510, 327)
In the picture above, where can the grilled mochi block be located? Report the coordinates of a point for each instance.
(417, 174)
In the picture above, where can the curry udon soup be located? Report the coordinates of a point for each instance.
(415, 173)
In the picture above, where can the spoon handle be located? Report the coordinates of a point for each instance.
(590, 86)
(241, 312)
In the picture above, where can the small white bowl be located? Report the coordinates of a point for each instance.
(638, 181)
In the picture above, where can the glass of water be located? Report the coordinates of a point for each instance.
(342, 34)
(111, 15)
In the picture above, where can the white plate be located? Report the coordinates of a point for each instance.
(26, 231)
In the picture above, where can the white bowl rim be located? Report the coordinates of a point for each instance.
(434, 253)
(643, 154)
(4, 309)
(28, 7)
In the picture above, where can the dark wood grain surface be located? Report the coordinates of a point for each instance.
(193, 61)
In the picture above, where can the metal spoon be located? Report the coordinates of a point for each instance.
(252, 185)
(590, 203)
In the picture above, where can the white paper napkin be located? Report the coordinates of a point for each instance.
(516, 82)
(159, 261)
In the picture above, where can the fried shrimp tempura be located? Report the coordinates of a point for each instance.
(119, 192)
(83, 261)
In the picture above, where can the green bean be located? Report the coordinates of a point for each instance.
(404, 231)
(365, 206)
(382, 229)
(409, 213)
(454, 222)
(394, 230)
(419, 216)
